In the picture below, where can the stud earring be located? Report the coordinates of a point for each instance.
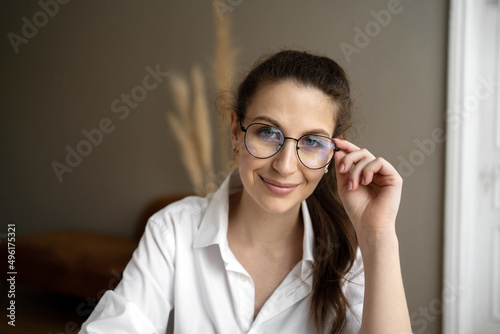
(326, 170)
(235, 151)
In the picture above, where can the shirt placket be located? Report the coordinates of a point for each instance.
(246, 294)
(291, 290)
(243, 291)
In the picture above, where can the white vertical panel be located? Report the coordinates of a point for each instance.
(472, 212)
(497, 72)
(496, 190)
(496, 273)
(457, 318)
(496, 194)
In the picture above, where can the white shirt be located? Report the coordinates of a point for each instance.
(183, 261)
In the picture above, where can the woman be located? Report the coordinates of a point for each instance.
(300, 238)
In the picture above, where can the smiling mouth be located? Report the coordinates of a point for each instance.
(278, 187)
(279, 184)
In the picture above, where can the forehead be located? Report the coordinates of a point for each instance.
(296, 108)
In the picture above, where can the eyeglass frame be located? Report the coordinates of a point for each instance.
(335, 149)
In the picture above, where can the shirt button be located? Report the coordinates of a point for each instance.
(243, 278)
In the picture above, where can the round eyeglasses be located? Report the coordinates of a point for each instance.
(263, 141)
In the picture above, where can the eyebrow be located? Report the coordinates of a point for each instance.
(278, 125)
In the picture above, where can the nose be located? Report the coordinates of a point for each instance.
(285, 161)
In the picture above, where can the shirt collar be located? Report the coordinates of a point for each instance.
(213, 227)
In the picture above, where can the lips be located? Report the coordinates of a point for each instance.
(279, 188)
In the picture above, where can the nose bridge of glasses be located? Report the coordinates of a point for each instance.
(286, 157)
(285, 138)
(295, 148)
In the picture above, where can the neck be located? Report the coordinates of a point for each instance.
(250, 224)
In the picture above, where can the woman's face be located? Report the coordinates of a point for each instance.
(280, 183)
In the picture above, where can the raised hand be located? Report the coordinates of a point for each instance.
(369, 187)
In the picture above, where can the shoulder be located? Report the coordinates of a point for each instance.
(184, 215)
(188, 209)
(187, 217)
(191, 204)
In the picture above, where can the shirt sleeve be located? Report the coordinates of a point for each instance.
(142, 301)
(354, 291)
(115, 314)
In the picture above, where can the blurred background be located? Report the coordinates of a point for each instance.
(61, 82)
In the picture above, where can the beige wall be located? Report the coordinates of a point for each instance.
(65, 78)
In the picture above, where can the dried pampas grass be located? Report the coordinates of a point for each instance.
(191, 127)
(225, 57)
(201, 120)
(191, 124)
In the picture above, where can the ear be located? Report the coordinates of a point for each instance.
(235, 128)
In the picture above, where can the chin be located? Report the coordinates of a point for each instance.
(276, 206)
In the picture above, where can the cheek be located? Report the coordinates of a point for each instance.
(313, 177)
(249, 163)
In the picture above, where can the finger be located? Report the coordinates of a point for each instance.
(353, 158)
(349, 178)
(372, 168)
(342, 178)
(357, 175)
(345, 145)
(380, 167)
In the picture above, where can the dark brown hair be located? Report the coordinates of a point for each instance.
(335, 239)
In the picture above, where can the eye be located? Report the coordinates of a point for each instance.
(313, 142)
(269, 133)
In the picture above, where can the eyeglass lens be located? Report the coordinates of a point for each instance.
(263, 141)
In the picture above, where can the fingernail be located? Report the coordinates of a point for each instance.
(341, 169)
(349, 186)
(363, 180)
